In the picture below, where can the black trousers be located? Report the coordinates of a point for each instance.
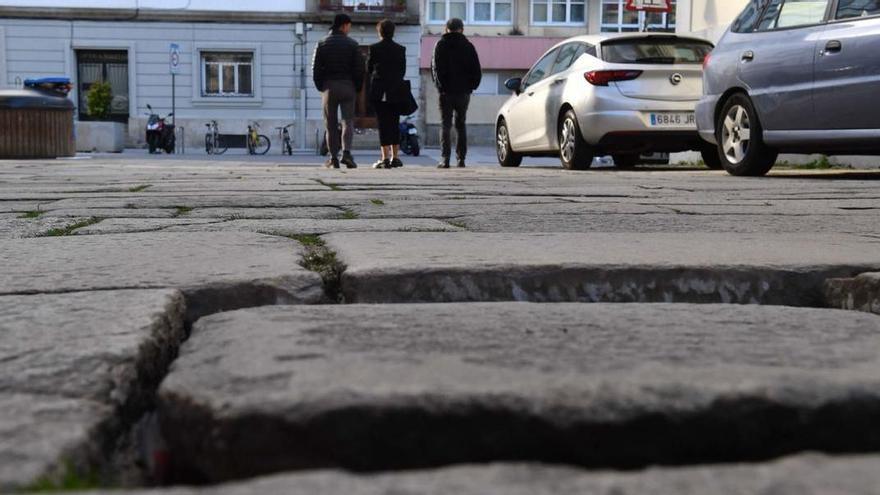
(453, 109)
(389, 123)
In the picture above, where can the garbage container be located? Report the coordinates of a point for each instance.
(37, 122)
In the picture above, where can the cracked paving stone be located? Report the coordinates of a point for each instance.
(787, 269)
(73, 369)
(216, 271)
(377, 387)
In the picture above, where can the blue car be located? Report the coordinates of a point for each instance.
(793, 76)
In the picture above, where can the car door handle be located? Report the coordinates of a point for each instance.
(558, 81)
(833, 46)
(531, 94)
(748, 56)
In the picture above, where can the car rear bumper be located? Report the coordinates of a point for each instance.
(706, 118)
(608, 117)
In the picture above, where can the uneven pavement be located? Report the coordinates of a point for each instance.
(195, 322)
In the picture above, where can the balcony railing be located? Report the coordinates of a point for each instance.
(365, 6)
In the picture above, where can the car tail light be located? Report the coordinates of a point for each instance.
(603, 77)
(706, 60)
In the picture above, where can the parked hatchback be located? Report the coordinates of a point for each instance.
(598, 95)
(796, 76)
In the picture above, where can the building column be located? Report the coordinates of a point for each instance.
(594, 16)
(684, 16)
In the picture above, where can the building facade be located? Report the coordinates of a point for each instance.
(510, 36)
(235, 66)
(240, 63)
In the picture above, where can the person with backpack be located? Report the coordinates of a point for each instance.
(338, 73)
(386, 68)
(456, 71)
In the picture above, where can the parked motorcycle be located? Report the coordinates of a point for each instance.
(409, 137)
(160, 135)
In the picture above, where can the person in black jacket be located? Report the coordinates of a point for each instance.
(456, 70)
(386, 68)
(338, 72)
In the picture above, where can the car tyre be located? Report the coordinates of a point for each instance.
(625, 161)
(506, 156)
(574, 152)
(741, 147)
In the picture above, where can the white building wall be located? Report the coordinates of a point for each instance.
(40, 48)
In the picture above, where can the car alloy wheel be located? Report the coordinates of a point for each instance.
(502, 142)
(569, 140)
(506, 156)
(736, 134)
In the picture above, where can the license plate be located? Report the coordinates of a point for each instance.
(413, 131)
(673, 119)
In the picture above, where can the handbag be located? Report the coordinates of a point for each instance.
(404, 101)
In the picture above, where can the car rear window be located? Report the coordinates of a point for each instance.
(655, 51)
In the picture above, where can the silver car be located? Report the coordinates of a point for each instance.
(619, 95)
(796, 76)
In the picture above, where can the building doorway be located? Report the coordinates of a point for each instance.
(93, 66)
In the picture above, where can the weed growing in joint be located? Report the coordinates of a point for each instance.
(69, 229)
(139, 188)
(377, 202)
(32, 214)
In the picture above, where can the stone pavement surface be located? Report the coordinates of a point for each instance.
(801, 475)
(106, 265)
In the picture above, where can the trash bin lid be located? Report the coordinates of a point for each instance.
(29, 99)
(46, 80)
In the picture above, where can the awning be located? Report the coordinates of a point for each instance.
(497, 52)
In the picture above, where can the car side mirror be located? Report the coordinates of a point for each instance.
(149, 107)
(513, 84)
(171, 114)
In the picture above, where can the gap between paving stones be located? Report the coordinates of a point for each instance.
(202, 290)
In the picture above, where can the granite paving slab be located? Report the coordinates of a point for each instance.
(133, 225)
(74, 370)
(378, 387)
(788, 269)
(266, 213)
(14, 226)
(798, 475)
(216, 271)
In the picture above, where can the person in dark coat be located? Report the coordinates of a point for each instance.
(386, 68)
(338, 72)
(456, 70)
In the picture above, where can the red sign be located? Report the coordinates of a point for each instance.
(649, 5)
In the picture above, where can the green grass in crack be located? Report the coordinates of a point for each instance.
(69, 229)
(377, 202)
(458, 224)
(320, 259)
(182, 210)
(332, 186)
(308, 240)
(69, 481)
(31, 214)
(139, 188)
(348, 215)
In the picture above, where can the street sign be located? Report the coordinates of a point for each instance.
(174, 58)
(649, 5)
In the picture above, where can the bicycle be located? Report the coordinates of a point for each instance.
(285, 139)
(213, 144)
(257, 144)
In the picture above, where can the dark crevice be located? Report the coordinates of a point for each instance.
(426, 432)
